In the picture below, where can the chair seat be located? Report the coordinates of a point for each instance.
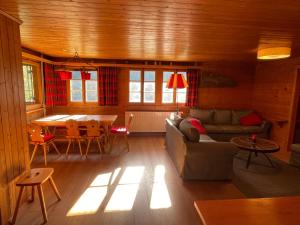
(116, 130)
(48, 137)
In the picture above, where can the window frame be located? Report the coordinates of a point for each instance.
(83, 102)
(37, 85)
(142, 81)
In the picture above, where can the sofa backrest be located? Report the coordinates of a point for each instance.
(219, 116)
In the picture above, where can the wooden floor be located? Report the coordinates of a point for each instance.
(145, 196)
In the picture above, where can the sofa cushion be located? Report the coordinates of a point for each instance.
(196, 123)
(190, 132)
(232, 129)
(222, 116)
(237, 114)
(216, 129)
(252, 129)
(204, 115)
(205, 138)
(251, 119)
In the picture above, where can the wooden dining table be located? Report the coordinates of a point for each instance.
(60, 121)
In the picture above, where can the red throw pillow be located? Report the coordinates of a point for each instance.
(251, 119)
(195, 123)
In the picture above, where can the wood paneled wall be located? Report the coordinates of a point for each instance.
(273, 96)
(237, 97)
(13, 134)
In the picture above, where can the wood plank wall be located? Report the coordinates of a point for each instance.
(237, 97)
(273, 96)
(13, 134)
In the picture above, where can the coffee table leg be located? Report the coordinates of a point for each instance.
(249, 159)
(270, 161)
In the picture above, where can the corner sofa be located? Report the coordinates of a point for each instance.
(202, 160)
(222, 125)
(210, 156)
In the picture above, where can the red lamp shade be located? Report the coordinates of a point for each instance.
(177, 81)
(64, 75)
(85, 75)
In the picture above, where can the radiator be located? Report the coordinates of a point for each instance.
(147, 121)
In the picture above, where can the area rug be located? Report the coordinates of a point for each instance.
(262, 180)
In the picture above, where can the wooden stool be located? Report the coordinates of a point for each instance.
(35, 177)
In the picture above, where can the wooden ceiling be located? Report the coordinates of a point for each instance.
(186, 30)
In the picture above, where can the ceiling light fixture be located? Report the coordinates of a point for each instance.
(273, 53)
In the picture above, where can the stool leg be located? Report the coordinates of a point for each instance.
(68, 148)
(33, 153)
(54, 146)
(99, 146)
(32, 194)
(79, 144)
(13, 219)
(87, 148)
(45, 154)
(42, 202)
(126, 140)
(54, 188)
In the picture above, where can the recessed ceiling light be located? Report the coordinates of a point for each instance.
(273, 53)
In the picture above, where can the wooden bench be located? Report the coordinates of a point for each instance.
(35, 177)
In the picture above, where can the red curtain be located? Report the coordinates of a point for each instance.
(193, 79)
(108, 85)
(55, 88)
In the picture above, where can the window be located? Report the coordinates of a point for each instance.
(168, 95)
(91, 88)
(149, 86)
(141, 80)
(135, 86)
(76, 87)
(84, 90)
(28, 76)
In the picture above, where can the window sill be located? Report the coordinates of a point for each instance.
(30, 107)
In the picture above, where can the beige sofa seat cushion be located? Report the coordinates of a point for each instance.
(222, 116)
(216, 129)
(251, 129)
(204, 115)
(232, 129)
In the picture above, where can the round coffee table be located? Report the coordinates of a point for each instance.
(261, 145)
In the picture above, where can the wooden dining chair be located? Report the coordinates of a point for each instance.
(73, 135)
(94, 133)
(121, 131)
(37, 138)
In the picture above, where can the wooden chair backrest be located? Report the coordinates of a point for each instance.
(93, 128)
(129, 121)
(72, 128)
(35, 133)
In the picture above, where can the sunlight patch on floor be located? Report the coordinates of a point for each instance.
(125, 193)
(160, 198)
(90, 201)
